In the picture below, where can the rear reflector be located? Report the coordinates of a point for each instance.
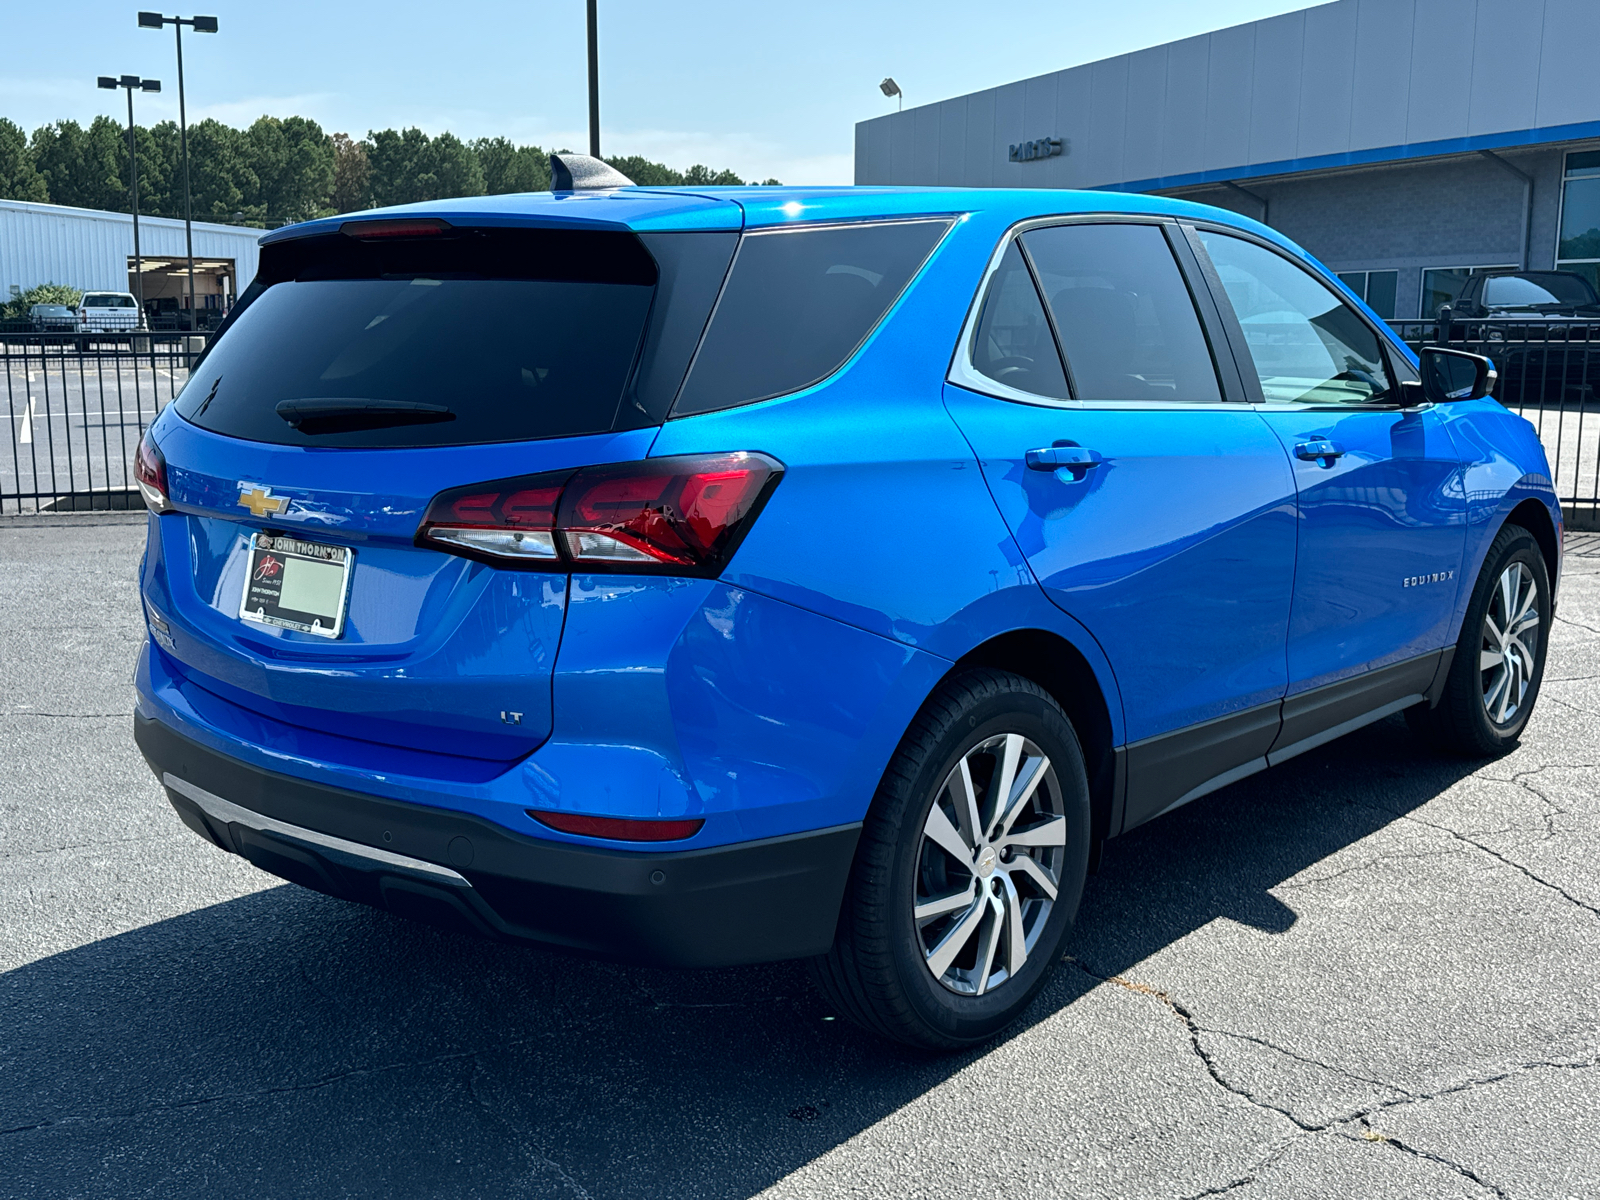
(677, 516)
(618, 828)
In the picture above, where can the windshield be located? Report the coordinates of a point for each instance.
(416, 353)
(1545, 287)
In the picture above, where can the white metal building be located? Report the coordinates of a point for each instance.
(1403, 142)
(93, 250)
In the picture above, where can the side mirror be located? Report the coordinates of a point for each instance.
(1454, 375)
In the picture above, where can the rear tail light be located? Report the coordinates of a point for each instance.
(620, 829)
(150, 470)
(676, 516)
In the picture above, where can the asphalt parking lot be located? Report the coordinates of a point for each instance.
(1373, 972)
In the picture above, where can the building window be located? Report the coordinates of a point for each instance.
(1377, 288)
(1578, 247)
(1444, 285)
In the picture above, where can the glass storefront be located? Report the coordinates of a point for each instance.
(1578, 248)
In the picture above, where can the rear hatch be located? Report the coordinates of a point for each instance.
(370, 367)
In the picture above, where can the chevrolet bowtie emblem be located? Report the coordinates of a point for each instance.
(260, 500)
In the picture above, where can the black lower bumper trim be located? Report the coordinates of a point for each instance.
(751, 902)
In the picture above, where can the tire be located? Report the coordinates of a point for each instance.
(1484, 708)
(924, 979)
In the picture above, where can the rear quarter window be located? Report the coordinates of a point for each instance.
(797, 304)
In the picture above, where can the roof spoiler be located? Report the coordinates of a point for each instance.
(581, 173)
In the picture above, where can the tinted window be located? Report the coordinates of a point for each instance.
(797, 303)
(1127, 325)
(1013, 344)
(1550, 288)
(1308, 346)
(112, 301)
(423, 346)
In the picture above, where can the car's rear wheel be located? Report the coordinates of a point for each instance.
(1499, 658)
(970, 867)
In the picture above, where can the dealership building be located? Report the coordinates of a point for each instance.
(93, 250)
(1403, 142)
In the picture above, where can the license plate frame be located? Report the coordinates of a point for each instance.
(275, 562)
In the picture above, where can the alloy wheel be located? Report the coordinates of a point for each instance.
(989, 865)
(1509, 654)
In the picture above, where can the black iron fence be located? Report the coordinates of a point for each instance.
(1549, 372)
(77, 404)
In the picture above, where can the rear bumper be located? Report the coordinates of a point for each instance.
(758, 901)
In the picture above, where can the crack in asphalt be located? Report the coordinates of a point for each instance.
(1384, 1139)
(1363, 865)
(1337, 1125)
(144, 837)
(32, 712)
(528, 1152)
(1576, 624)
(1593, 910)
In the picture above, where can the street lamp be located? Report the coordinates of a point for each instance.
(134, 84)
(594, 81)
(154, 20)
(890, 88)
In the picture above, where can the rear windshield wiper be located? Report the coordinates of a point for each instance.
(344, 414)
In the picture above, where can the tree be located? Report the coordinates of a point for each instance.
(509, 168)
(352, 174)
(702, 176)
(449, 168)
(293, 162)
(82, 167)
(19, 178)
(44, 293)
(394, 159)
(221, 177)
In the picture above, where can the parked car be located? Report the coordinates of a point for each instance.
(1533, 295)
(53, 318)
(1538, 332)
(109, 312)
(720, 576)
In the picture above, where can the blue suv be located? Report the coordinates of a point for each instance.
(717, 576)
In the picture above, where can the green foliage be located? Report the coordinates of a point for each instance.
(508, 168)
(282, 170)
(19, 178)
(45, 293)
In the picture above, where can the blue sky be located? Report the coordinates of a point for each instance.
(762, 89)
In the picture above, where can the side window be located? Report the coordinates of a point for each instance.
(797, 303)
(1013, 344)
(1309, 347)
(1127, 324)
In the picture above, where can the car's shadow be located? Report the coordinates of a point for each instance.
(288, 1044)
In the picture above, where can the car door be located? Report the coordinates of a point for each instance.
(1152, 504)
(1382, 507)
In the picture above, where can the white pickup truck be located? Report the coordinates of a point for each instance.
(109, 312)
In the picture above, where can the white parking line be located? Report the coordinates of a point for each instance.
(25, 434)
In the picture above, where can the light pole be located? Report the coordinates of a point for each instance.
(890, 88)
(154, 20)
(134, 84)
(594, 81)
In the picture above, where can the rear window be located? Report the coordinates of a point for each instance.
(797, 304)
(112, 300)
(1543, 288)
(472, 336)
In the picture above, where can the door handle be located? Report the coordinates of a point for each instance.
(1075, 459)
(1319, 450)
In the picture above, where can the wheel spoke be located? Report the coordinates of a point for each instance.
(1030, 867)
(1491, 695)
(1508, 592)
(1027, 784)
(1528, 620)
(1488, 660)
(966, 800)
(951, 944)
(929, 909)
(1010, 760)
(1016, 939)
(1048, 833)
(939, 831)
(989, 942)
(1507, 684)
(1494, 630)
